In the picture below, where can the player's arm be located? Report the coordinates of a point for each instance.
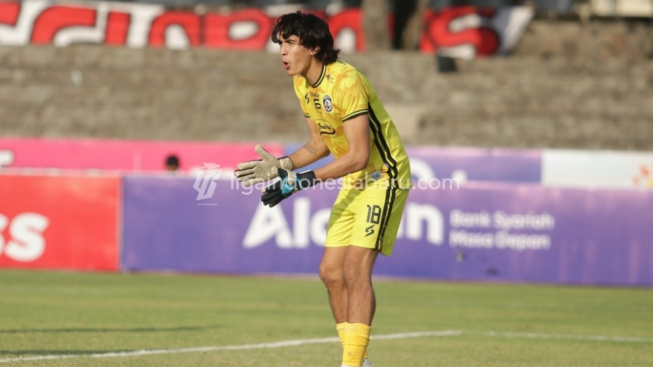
(315, 149)
(357, 133)
(266, 168)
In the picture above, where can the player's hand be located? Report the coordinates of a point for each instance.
(265, 169)
(289, 183)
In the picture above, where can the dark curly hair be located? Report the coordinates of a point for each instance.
(313, 33)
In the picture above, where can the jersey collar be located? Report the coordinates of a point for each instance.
(321, 78)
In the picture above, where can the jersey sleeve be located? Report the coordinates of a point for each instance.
(301, 94)
(351, 96)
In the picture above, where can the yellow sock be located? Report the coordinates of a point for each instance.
(356, 339)
(341, 334)
(340, 328)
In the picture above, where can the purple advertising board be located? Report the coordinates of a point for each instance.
(476, 164)
(466, 163)
(480, 232)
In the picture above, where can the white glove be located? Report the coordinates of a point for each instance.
(265, 169)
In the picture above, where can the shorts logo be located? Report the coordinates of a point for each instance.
(328, 105)
(369, 230)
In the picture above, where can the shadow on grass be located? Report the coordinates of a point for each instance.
(57, 353)
(111, 330)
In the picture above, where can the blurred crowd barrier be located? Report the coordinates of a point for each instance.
(571, 168)
(510, 215)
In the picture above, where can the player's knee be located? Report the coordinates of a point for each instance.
(330, 275)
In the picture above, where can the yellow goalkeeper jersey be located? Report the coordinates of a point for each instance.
(342, 93)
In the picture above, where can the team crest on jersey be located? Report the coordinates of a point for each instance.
(328, 105)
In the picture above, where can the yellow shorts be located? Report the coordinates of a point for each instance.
(367, 218)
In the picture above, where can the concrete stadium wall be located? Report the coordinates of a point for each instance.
(568, 85)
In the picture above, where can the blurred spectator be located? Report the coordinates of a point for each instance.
(403, 10)
(172, 163)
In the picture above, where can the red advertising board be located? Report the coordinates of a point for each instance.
(59, 222)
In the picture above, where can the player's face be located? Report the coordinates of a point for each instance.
(296, 58)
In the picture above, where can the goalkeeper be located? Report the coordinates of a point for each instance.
(345, 118)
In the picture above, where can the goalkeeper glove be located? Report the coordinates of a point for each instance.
(265, 169)
(289, 183)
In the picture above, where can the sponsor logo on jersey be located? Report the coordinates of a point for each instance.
(326, 129)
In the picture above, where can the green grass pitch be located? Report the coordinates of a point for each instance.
(112, 319)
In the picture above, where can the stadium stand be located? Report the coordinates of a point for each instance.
(568, 84)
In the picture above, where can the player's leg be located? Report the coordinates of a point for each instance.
(361, 305)
(332, 274)
(331, 269)
(377, 219)
(357, 271)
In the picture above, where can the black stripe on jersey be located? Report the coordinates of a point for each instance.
(354, 114)
(322, 75)
(393, 172)
(390, 195)
(382, 146)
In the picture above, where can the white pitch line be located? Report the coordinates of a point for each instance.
(299, 342)
(280, 344)
(600, 338)
(145, 352)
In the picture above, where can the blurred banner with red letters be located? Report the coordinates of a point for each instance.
(462, 32)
